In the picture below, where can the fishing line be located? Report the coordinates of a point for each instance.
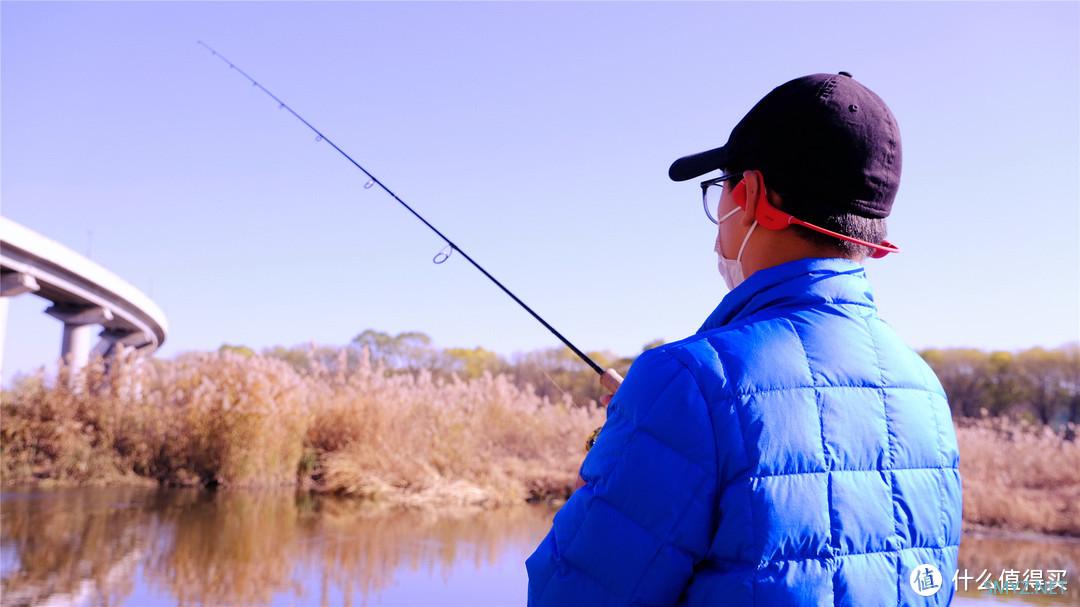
(450, 247)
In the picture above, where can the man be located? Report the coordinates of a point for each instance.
(793, 451)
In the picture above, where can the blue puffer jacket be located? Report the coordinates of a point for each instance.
(793, 452)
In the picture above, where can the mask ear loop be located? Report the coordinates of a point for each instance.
(739, 193)
(728, 215)
(745, 240)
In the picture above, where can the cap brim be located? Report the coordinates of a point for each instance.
(696, 165)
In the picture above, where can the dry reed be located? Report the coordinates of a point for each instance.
(231, 419)
(226, 419)
(1020, 475)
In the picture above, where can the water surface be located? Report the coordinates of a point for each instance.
(147, 547)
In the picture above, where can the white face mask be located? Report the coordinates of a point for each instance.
(731, 269)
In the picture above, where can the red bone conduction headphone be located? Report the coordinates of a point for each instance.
(772, 218)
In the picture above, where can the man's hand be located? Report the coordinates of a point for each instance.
(610, 381)
(635, 531)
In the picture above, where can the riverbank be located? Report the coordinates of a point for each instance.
(231, 420)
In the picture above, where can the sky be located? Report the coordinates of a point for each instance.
(537, 137)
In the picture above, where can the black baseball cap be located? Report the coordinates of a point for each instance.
(826, 137)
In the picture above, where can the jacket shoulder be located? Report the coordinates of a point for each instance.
(820, 346)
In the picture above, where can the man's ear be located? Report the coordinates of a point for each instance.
(755, 186)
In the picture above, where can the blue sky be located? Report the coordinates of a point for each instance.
(538, 137)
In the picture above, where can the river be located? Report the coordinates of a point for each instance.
(147, 547)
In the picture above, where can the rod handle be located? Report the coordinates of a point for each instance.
(611, 380)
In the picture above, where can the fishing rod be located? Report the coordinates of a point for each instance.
(609, 378)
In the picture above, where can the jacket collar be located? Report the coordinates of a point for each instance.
(799, 283)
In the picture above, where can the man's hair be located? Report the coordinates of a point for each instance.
(848, 224)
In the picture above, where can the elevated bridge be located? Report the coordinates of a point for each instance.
(84, 296)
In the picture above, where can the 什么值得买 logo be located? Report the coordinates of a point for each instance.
(925, 579)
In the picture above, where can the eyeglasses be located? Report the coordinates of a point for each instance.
(772, 218)
(712, 190)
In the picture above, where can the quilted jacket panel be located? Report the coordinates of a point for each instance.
(792, 452)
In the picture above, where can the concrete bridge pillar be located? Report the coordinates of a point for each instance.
(12, 284)
(79, 322)
(111, 339)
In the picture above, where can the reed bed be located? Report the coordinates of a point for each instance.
(235, 420)
(1020, 475)
(241, 420)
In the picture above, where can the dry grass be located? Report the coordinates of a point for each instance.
(1019, 476)
(202, 419)
(413, 439)
(233, 420)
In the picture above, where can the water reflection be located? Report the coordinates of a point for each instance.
(141, 547)
(994, 553)
(113, 547)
